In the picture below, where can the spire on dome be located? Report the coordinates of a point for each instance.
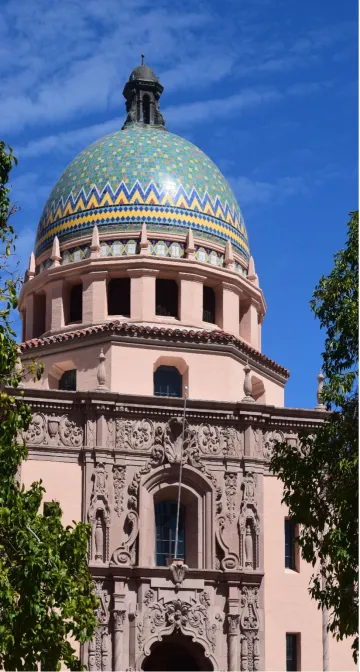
(142, 93)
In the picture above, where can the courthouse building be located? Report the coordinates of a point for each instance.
(143, 303)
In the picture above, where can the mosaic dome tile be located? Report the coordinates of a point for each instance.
(142, 174)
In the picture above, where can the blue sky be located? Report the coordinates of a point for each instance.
(267, 88)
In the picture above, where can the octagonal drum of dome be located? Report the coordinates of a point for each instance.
(142, 174)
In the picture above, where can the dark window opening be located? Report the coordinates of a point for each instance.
(119, 297)
(68, 381)
(39, 315)
(290, 534)
(166, 298)
(75, 312)
(167, 382)
(291, 653)
(165, 521)
(146, 109)
(209, 303)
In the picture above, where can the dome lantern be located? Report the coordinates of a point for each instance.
(142, 93)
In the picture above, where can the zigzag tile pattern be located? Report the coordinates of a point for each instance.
(142, 174)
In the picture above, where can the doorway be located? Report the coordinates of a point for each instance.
(176, 653)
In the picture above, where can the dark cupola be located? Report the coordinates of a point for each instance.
(142, 93)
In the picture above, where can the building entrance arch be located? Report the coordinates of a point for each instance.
(176, 652)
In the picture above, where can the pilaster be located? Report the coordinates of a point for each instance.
(94, 297)
(54, 306)
(143, 289)
(29, 309)
(191, 298)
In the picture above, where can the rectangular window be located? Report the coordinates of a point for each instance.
(290, 545)
(292, 652)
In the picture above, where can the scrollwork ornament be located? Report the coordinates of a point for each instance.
(119, 473)
(230, 492)
(209, 440)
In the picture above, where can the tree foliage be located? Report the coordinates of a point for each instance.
(320, 475)
(46, 591)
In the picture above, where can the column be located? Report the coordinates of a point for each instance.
(94, 297)
(29, 308)
(233, 634)
(191, 299)
(249, 323)
(143, 289)
(230, 308)
(119, 617)
(54, 306)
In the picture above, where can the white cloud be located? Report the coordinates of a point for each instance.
(69, 141)
(257, 192)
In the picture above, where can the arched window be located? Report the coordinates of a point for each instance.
(68, 381)
(146, 109)
(167, 382)
(167, 298)
(119, 297)
(165, 522)
(208, 304)
(75, 307)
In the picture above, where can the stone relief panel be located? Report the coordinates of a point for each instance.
(249, 524)
(264, 442)
(99, 515)
(249, 628)
(172, 443)
(53, 430)
(189, 617)
(119, 478)
(99, 651)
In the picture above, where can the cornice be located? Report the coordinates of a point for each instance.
(155, 335)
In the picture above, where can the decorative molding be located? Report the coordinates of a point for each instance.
(249, 626)
(53, 430)
(99, 515)
(98, 652)
(119, 475)
(249, 524)
(190, 618)
(230, 492)
(178, 571)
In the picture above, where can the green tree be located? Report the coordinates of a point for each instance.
(46, 591)
(320, 476)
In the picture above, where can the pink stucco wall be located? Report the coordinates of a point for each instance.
(288, 607)
(62, 482)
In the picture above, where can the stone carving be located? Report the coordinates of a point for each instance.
(233, 624)
(98, 653)
(204, 598)
(142, 435)
(225, 558)
(53, 430)
(264, 442)
(249, 524)
(163, 618)
(119, 618)
(249, 624)
(119, 473)
(138, 435)
(209, 440)
(99, 511)
(110, 439)
(91, 433)
(171, 440)
(178, 571)
(230, 491)
(149, 597)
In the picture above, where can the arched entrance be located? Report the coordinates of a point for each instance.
(176, 653)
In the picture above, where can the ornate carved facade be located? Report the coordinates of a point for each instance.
(216, 598)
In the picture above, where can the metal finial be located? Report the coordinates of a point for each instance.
(142, 59)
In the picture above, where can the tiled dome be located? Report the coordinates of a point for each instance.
(142, 174)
